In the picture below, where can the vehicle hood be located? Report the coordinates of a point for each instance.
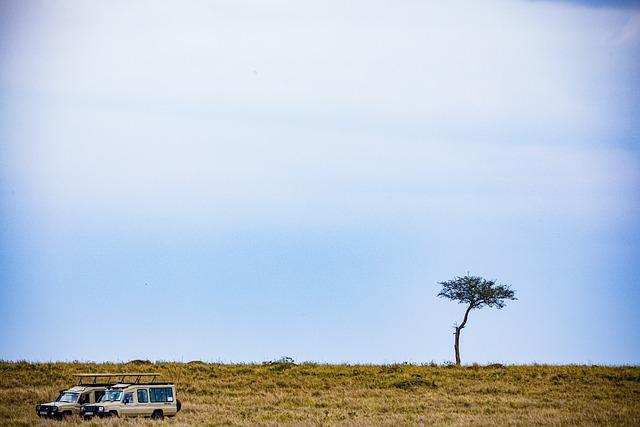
(59, 404)
(106, 404)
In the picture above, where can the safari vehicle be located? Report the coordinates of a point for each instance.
(142, 397)
(71, 400)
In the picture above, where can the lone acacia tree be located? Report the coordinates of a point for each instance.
(476, 292)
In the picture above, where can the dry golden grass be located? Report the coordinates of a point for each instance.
(352, 395)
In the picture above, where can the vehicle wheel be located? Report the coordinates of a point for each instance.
(157, 415)
(65, 415)
(178, 405)
(113, 414)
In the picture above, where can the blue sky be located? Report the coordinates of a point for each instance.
(240, 181)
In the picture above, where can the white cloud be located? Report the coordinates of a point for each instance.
(240, 109)
(226, 171)
(477, 62)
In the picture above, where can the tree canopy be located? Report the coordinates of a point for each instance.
(476, 291)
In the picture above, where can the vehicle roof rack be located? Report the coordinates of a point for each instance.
(115, 378)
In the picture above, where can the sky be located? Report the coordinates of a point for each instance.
(239, 181)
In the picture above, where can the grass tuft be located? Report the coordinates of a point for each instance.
(413, 382)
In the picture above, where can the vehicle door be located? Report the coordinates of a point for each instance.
(143, 408)
(84, 398)
(128, 408)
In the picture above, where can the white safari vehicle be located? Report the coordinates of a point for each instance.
(135, 395)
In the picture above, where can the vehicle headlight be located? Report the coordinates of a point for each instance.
(100, 408)
(55, 409)
(37, 407)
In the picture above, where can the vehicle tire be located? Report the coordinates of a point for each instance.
(178, 405)
(113, 414)
(157, 415)
(65, 415)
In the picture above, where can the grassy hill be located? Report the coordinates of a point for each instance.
(360, 395)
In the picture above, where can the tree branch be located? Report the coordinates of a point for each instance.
(466, 315)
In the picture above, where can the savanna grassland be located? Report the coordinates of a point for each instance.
(351, 395)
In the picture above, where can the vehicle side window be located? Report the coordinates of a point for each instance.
(164, 394)
(84, 398)
(98, 395)
(128, 398)
(142, 395)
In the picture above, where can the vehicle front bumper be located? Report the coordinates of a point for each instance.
(46, 411)
(91, 411)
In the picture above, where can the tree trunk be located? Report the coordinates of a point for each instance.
(457, 346)
(457, 333)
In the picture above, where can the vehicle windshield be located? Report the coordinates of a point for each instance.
(111, 395)
(68, 397)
